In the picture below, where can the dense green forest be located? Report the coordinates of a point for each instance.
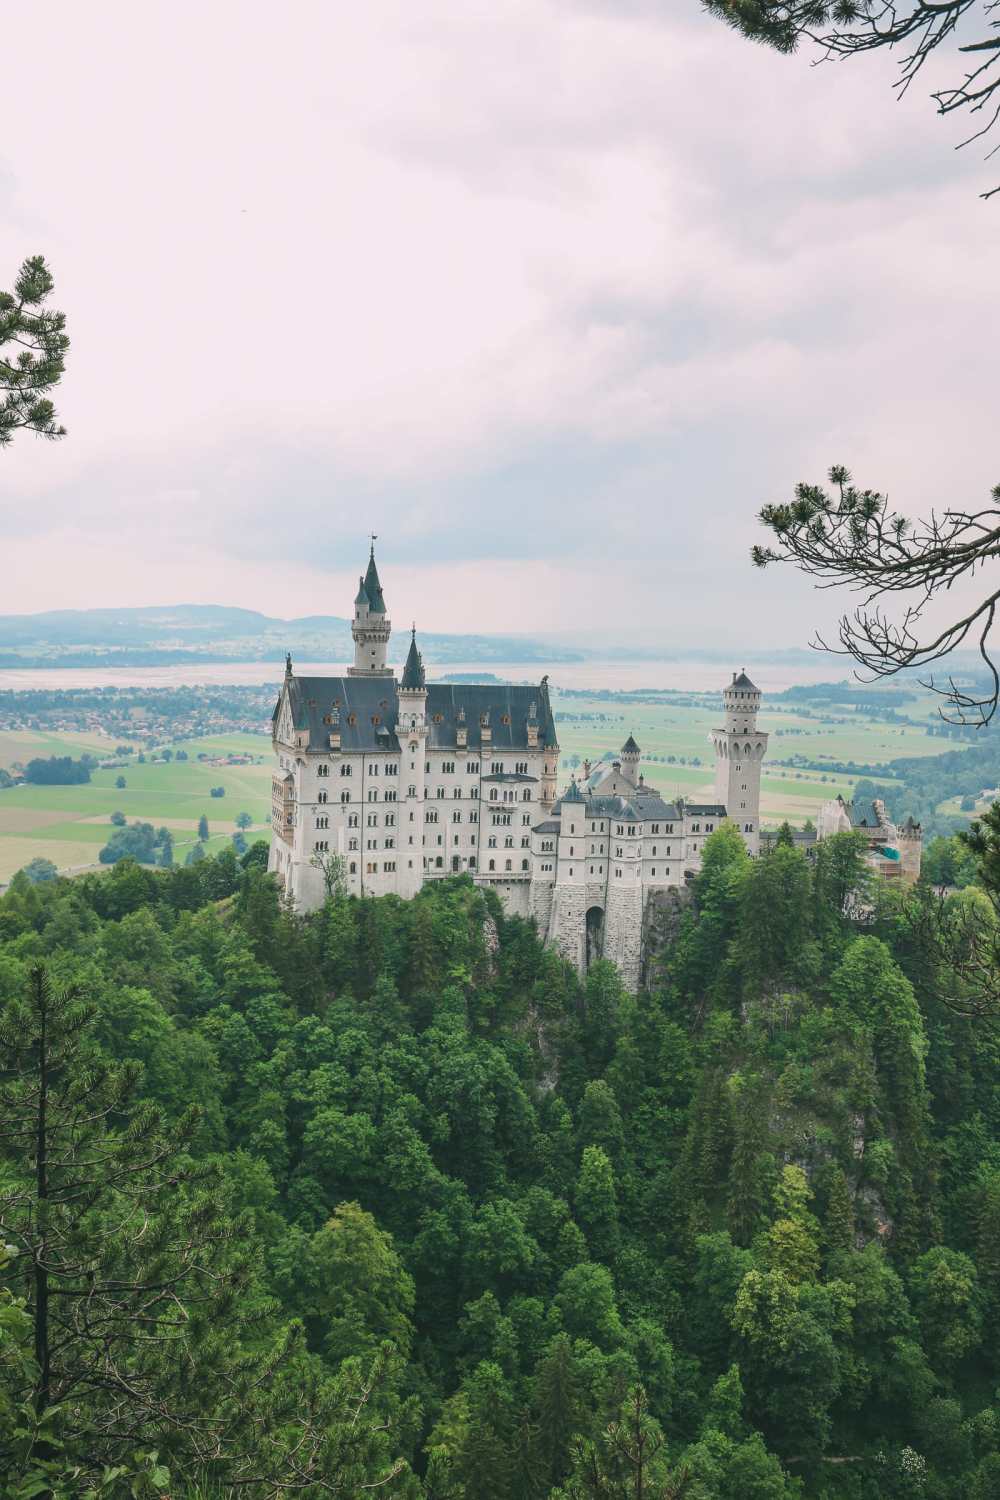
(386, 1201)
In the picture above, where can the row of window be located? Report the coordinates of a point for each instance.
(391, 768)
(389, 794)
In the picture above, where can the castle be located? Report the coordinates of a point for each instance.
(388, 784)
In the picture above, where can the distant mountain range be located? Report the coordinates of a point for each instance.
(169, 635)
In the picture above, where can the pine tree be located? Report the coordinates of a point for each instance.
(138, 1290)
(596, 1204)
(747, 1191)
(838, 1221)
(40, 340)
(559, 1404)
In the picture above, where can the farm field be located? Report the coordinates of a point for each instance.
(590, 727)
(25, 744)
(70, 824)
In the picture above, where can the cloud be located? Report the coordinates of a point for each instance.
(546, 294)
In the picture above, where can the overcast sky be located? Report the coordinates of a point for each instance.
(552, 296)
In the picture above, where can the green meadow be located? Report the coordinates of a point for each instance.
(589, 727)
(70, 824)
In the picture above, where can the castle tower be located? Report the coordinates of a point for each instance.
(739, 751)
(550, 761)
(371, 626)
(630, 754)
(910, 846)
(411, 731)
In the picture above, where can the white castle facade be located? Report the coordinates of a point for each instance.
(406, 781)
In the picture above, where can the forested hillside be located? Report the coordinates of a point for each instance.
(385, 1201)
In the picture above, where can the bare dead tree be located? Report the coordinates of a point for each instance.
(846, 537)
(917, 28)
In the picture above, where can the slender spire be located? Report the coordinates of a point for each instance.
(372, 586)
(413, 678)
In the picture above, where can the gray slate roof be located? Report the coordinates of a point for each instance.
(413, 671)
(743, 682)
(862, 815)
(643, 806)
(373, 587)
(370, 699)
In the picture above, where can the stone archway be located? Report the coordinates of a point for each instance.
(595, 935)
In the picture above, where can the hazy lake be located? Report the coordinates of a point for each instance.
(686, 674)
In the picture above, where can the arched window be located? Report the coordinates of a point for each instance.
(524, 864)
(354, 867)
(493, 864)
(507, 865)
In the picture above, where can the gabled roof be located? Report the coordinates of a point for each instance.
(574, 794)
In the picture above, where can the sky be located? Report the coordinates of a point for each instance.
(551, 296)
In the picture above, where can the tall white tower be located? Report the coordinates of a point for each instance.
(739, 753)
(411, 731)
(371, 626)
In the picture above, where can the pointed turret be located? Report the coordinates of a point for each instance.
(630, 754)
(413, 679)
(372, 627)
(373, 587)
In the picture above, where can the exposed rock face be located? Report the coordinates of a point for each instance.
(660, 924)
